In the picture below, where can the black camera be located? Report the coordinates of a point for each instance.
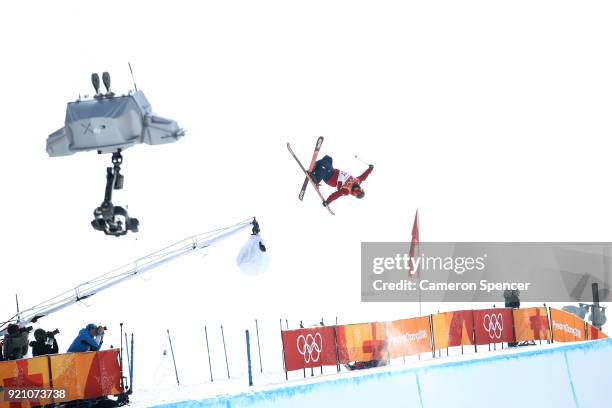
(53, 333)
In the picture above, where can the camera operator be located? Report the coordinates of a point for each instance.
(44, 343)
(100, 335)
(86, 340)
(16, 342)
(512, 299)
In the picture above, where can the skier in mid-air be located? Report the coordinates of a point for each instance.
(341, 180)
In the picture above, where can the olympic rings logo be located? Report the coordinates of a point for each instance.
(310, 347)
(494, 325)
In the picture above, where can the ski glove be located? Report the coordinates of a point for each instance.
(324, 203)
(371, 166)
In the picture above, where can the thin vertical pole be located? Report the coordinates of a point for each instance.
(258, 346)
(336, 345)
(419, 292)
(514, 329)
(127, 350)
(50, 377)
(489, 340)
(388, 355)
(416, 220)
(550, 327)
(432, 340)
(248, 347)
(173, 359)
(132, 363)
(208, 352)
(474, 333)
(283, 344)
(225, 351)
(121, 355)
(127, 354)
(17, 304)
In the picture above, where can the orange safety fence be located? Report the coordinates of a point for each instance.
(361, 342)
(78, 376)
(531, 324)
(566, 327)
(593, 333)
(408, 337)
(453, 329)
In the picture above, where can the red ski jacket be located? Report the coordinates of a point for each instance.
(344, 183)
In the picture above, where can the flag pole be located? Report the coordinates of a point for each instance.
(416, 216)
(414, 243)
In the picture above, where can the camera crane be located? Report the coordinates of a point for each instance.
(110, 123)
(135, 268)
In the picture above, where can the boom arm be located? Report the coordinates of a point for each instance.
(125, 272)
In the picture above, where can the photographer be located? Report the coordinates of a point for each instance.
(16, 342)
(44, 343)
(100, 335)
(86, 340)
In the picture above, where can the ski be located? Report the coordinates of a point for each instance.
(309, 178)
(313, 161)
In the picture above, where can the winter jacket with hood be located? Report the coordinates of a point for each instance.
(84, 341)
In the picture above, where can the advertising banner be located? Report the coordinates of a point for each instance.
(593, 333)
(362, 342)
(20, 375)
(531, 324)
(493, 326)
(453, 329)
(566, 327)
(74, 376)
(312, 347)
(408, 337)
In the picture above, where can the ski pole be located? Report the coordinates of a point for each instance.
(361, 160)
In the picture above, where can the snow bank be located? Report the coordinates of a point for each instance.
(575, 375)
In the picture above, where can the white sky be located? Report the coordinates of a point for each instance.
(493, 119)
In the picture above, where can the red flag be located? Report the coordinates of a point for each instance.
(414, 243)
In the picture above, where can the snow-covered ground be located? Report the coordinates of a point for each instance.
(557, 375)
